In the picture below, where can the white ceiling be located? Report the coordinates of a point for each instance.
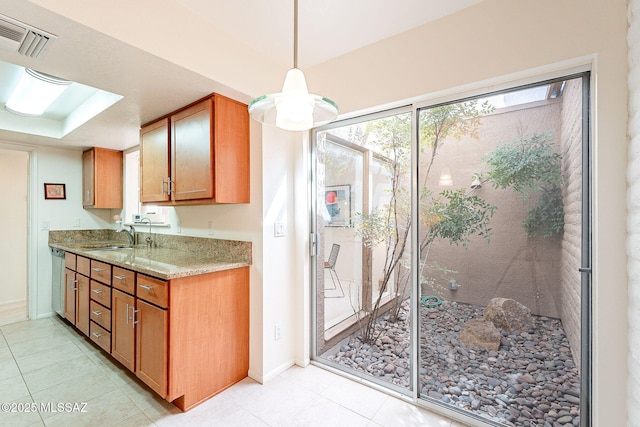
(153, 87)
(326, 28)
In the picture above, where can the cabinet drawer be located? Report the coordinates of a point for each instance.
(83, 266)
(100, 336)
(125, 280)
(153, 290)
(101, 271)
(101, 293)
(70, 261)
(101, 315)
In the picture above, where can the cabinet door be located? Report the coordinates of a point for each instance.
(231, 151)
(122, 329)
(107, 186)
(102, 178)
(191, 148)
(154, 162)
(151, 346)
(70, 289)
(88, 177)
(82, 304)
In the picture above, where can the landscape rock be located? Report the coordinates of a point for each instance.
(500, 385)
(508, 314)
(480, 333)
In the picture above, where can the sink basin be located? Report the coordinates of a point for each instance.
(109, 248)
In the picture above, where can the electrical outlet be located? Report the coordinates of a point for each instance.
(76, 223)
(277, 331)
(44, 225)
(210, 226)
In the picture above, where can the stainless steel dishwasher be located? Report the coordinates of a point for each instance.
(57, 280)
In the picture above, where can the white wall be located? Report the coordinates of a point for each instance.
(14, 169)
(51, 165)
(55, 166)
(490, 44)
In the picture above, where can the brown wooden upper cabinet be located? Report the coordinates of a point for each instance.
(102, 178)
(197, 155)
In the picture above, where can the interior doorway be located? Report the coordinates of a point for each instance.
(14, 169)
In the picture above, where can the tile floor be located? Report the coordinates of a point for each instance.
(44, 361)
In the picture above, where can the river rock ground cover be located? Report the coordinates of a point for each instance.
(531, 380)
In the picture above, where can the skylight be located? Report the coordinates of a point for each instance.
(519, 97)
(76, 105)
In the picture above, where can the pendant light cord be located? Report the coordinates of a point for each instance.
(295, 33)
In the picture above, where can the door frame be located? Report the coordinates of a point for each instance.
(569, 70)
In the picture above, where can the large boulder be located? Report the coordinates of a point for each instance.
(508, 314)
(480, 333)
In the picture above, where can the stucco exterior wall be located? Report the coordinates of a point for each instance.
(509, 265)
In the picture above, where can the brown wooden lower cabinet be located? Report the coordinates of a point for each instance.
(151, 346)
(208, 335)
(100, 336)
(70, 291)
(186, 338)
(76, 300)
(139, 339)
(82, 304)
(123, 344)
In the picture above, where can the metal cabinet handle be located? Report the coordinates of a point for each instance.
(126, 314)
(97, 313)
(71, 282)
(97, 335)
(119, 277)
(133, 317)
(147, 287)
(98, 269)
(170, 185)
(97, 291)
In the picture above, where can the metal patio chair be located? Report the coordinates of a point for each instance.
(331, 264)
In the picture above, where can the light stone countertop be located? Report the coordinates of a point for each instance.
(163, 262)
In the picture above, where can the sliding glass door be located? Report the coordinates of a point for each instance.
(449, 240)
(363, 220)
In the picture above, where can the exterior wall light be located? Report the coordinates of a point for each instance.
(446, 179)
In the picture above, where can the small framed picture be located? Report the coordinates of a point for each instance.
(54, 191)
(338, 205)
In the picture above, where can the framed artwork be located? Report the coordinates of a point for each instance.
(54, 191)
(337, 199)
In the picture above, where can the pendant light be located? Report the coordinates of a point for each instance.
(294, 108)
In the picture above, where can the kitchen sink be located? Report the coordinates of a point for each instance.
(110, 248)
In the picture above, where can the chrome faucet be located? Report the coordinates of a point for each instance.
(130, 234)
(149, 240)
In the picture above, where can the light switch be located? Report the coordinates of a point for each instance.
(44, 225)
(278, 229)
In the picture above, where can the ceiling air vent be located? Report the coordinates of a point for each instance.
(24, 39)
